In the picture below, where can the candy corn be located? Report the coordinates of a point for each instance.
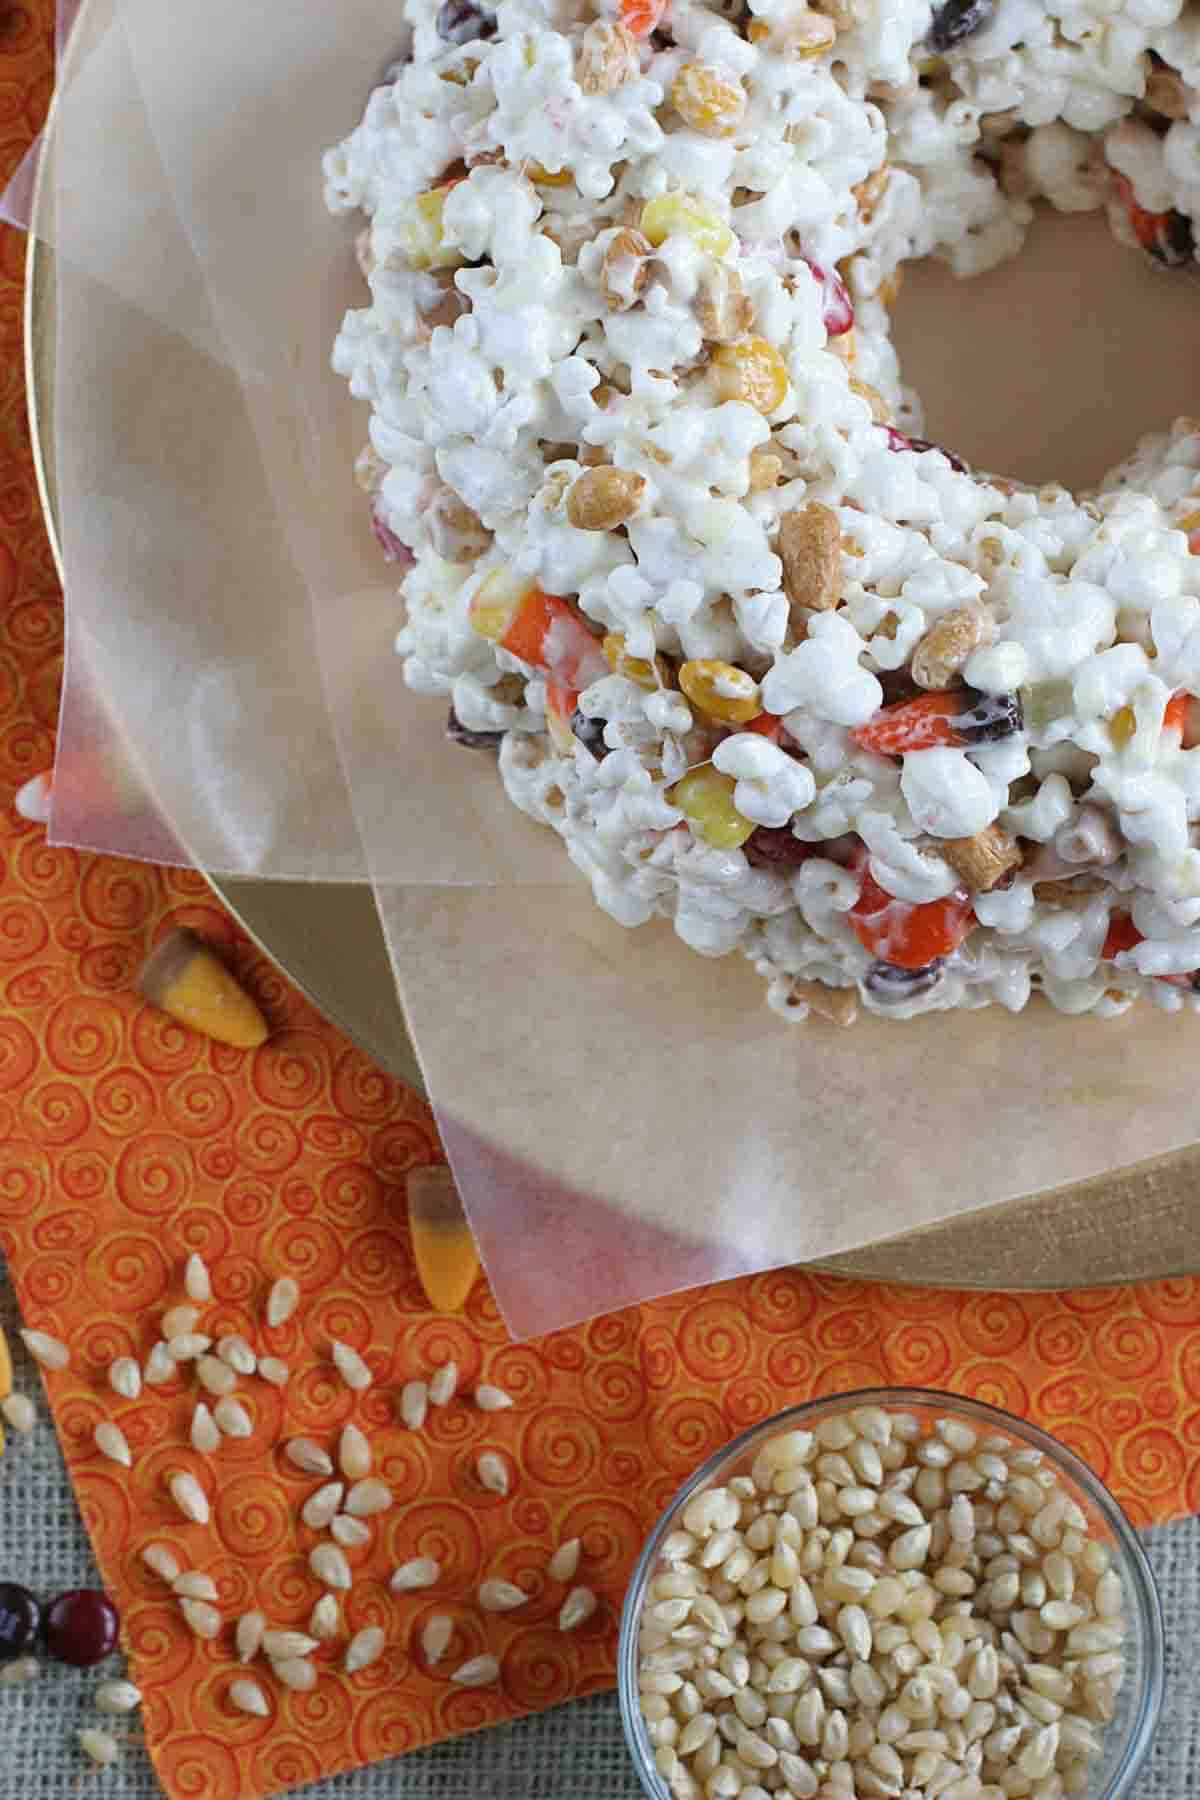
(446, 1256)
(186, 979)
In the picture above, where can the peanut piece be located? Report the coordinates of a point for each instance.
(810, 546)
(808, 36)
(603, 498)
(946, 646)
(723, 311)
(608, 58)
(626, 270)
(982, 860)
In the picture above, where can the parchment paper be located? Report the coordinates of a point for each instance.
(624, 1118)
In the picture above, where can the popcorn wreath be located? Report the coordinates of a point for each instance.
(774, 666)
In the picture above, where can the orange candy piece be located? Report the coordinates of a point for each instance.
(186, 978)
(641, 17)
(443, 1245)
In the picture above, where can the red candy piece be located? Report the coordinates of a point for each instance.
(837, 306)
(1123, 934)
(928, 722)
(768, 725)
(907, 935)
(1175, 717)
(394, 549)
(82, 1627)
(641, 17)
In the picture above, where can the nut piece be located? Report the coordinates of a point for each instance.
(366, 1498)
(100, 1746)
(180, 1321)
(607, 58)
(125, 1378)
(248, 1697)
(810, 548)
(604, 498)
(160, 1560)
(160, 1366)
(492, 1399)
(205, 1433)
(414, 1404)
(282, 1301)
(492, 1472)
(249, 1635)
(216, 1376)
(280, 1645)
(982, 860)
(354, 1454)
(947, 645)
(330, 1567)
(189, 1497)
(46, 1350)
(19, 1412)
(118, 1697)
(232, 1418)
(723, 309)
(111, 1441)
(325, 1620)
(1076, 895)
(204, 1619)
(578, 1606)
(565, 1560)
(765, 470)
(625, 270)
(296, 1673)
(501, 1596)
(479, 1672)
(421, 1572)
(364, 1648)
(435, 1639)
(443, 1384)
(194, 1584)
(237, 1353)
(350, 1366)
(321, 1506)
(709, 98)
(274, 1371)
(350, 1533)
(308, 1457)
(197, 1283)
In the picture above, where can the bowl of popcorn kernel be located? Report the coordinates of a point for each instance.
(893, 1592)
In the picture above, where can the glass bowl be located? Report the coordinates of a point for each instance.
(1126, 1738)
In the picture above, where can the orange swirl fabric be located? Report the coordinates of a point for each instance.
(126, 1142)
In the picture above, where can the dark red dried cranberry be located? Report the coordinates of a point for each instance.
(82, 1627)
(590, 733)
(989, 718)
(956, 20)
(20, 1620)
(1174, 244)
(893, 986)
(459, 733)
(777, 847)
(897, 439)
(956, 462)
(461, 22)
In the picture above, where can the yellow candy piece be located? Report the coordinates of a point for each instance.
(543, 177)
(706, 797)
(446, 1255)
(709, 99)
(1122, 726)
(721, 690)
(495, 601)
(422, 233)
(1190, 523)
(685, 215)
(643, 674)
(5, 1372)
(751, 371)
(184, 977)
